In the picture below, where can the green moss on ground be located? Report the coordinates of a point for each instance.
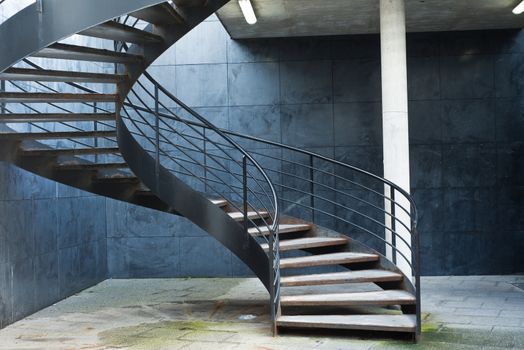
(161, 335)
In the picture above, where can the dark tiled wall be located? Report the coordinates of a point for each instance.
(466, 125)
(52, 242)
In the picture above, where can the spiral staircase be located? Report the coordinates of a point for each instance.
(278, 208)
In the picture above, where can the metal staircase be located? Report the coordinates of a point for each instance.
(278, 208)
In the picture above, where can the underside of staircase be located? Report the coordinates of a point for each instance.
(123, 144)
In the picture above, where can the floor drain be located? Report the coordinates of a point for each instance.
(519, 286)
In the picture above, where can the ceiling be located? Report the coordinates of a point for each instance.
(284, 18)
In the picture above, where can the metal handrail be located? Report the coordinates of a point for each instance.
(393, 198)
(273, 239)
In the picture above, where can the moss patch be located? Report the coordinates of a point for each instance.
(161, 335)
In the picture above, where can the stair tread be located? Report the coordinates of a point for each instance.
(117, 178)
(284, 228)
(91, 166)
(120, 32)
(39, 97)
(70, 151)
(57, 135)
(327, 259)
(24, 74)
(163, 14)
(308, 242)
(394, 323)
(341, 277)
(250, 214)
(82, 53)
(220, 202)
(382, 297)
(55, 117)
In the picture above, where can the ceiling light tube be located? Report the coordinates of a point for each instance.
(519, 8)
(247, 10)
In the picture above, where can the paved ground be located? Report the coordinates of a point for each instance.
(459, 313)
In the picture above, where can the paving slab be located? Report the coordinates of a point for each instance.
(471, 312)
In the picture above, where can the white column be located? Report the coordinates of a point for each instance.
(395, 120)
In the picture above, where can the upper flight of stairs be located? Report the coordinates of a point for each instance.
(313, 259)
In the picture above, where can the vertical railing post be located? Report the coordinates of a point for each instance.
(95, 126)
(393, 225)
(272, 280)
(311, 188)
(157, 139)
(205, 159)
(415, 241)
(2, 89)
(244, 190)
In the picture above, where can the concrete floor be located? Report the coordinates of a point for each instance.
(459, 313)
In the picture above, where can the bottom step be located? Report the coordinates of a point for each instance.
(391, 323)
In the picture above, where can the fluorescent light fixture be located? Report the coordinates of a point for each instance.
(247, 10)
(519, 9)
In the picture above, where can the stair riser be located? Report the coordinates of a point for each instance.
(88, 57)
(345, 303)
(340, 281)
(340, 262)
(344, 327)
(70, 152)
(55, 118)
(309, 246)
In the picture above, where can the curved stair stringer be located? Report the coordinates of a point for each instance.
(194, 206)
(40, 30)
(48, 28)
(168, 187)
(36, 29)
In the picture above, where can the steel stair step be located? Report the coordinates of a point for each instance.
(358, 276)
(117, 178)
(91, 166)
(56, 117)
(253, 215)
(391, 323)
(220, 202)
(82, 53)
(308, 242)
(377, 298)
(56, 135)
(147, 192)
(70, 151)
(38, 97)
(119, 32)
(23, 74)
(162, 14)
(327, 259)
(284, 228)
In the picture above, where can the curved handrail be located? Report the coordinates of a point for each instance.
(398, 198)
(128, 145)
(231, 142)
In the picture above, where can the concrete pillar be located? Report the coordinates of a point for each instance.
(395, 121)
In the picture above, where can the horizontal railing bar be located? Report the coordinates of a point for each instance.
(219, 132)
(227, 185)
(200, 149)
(197, 131)
(176, 118)
(191, 174)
